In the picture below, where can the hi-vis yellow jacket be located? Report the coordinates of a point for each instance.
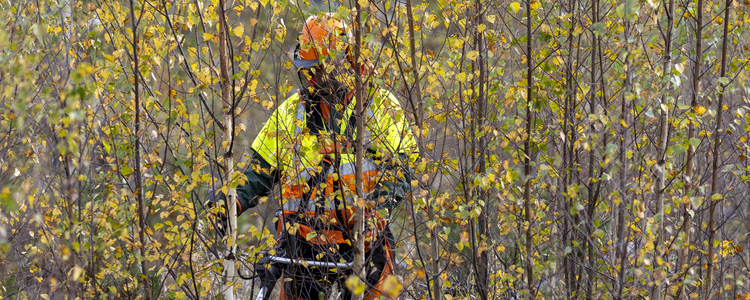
(292, 144)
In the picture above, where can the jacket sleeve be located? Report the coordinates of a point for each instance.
(260, 180)
(269, 147)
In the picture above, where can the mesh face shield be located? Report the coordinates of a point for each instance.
(321, 56)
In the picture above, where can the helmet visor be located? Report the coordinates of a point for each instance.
(299, 63)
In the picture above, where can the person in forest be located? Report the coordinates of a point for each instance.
(307, 145)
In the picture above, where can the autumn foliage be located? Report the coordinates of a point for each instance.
(569, 149)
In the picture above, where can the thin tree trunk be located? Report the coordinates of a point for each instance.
(575, 254)
(592, 197)
(662, 151)
(621, 230)
(137, 168)
(69, 181)
(715, 163)
(417, 107)
(228, 136)
(689, 165)
(565, 182)
(416, 94)
(483, 265)
(527, 157)
(567, 275)
(359, 209)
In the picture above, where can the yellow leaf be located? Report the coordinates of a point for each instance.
(354, 284)
(244, 66)
(558, 61)
(699, 109)
(238, 30)
(461, 77)
(207, 36)
(392, 286)
(515, 6)
(622, 122)
(535, 5)
(679, 68)
(77, 271)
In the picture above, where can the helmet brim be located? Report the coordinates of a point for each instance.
(298, 63)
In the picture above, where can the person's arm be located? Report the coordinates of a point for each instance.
(260, 180)
(269, 147)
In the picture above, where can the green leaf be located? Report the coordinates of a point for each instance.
(620, 10)
(678, 149)
(6, 200)
(39, 30)
(553, 105)
(599, 29)
(695, 142)
(343, 12)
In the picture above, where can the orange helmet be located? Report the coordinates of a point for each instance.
(319, 34)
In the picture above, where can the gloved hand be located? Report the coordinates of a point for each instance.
(269, 272)
(219, 219)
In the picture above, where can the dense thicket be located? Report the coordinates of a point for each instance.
(570, 149)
